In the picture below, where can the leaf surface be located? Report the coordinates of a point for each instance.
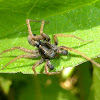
(79, 18)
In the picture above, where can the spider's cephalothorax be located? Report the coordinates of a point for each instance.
(48, 50)
(45, 49)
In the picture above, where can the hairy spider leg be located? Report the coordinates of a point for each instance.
(29, 28)
(34, 20)
(65, 35)
(76, 51)
(38, 21)
(34, 36)
(51, 67)
(21, 56)
(43, 34)
(36, 64)
(41, 29)
(22, 49)
(47, 69)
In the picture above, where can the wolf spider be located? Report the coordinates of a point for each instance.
(45, 49)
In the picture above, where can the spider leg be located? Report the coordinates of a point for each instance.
(46, 68)
(34, 20)
(48, 64)
(65, 35)
(71, 49)
(36, 64)
(43, 34)
(51, 67)
(21, 56)
(22, 49)
(29, 28)
(34, 36)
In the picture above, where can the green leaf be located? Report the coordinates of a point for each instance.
(95, 90)
(42, 87)
(79, 18)
(5, 85)
(84, 74)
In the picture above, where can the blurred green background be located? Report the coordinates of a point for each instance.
(76, 17)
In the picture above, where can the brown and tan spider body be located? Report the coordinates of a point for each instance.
(45, 49)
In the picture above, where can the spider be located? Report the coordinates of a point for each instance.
(45, 49)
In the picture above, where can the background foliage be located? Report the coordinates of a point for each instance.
(80, 18)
